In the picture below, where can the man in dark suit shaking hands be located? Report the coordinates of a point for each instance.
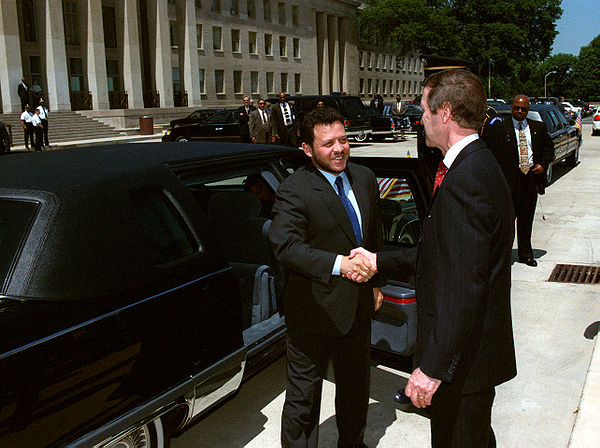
(464, 329)
(321, 212)
(523, 149)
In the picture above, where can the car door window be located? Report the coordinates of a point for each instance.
(399, 213)
(218, 118)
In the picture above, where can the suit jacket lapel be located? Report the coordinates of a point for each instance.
(361, 195)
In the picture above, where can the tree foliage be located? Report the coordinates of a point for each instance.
(587, 71)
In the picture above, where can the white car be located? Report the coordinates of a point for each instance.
(568, 106)
(596, 122)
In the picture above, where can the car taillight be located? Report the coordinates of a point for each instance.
(392, 125)
(597, 118)
(346, 123)
(396, 300)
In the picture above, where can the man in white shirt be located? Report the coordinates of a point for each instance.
(38, 129)
(27, 126)
(44, 117)
(399, 106)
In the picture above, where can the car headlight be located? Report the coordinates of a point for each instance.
(168, 132)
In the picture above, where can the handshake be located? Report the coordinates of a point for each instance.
(359, 266)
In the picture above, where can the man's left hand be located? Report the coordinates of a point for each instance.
(420, 388)
(537, 169)
(378, 298)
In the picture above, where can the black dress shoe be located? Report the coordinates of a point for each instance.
(528, 261)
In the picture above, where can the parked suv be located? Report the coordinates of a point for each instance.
(356, 116)
(138, 287)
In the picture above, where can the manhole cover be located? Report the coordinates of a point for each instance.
(572, 273)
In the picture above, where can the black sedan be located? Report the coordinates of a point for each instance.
(414, 113)
(222, 126)
(198, 116)
(385, 126)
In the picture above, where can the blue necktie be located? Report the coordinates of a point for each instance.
(339, 183)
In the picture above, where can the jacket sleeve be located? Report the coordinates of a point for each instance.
(289, 236)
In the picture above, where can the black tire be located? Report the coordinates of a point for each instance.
(150, 435)
(361, 138)
(182, 139)
(573, 158)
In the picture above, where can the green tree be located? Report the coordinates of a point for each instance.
(562, 82)
(586, 72)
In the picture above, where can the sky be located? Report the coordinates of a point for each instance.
(578, 25)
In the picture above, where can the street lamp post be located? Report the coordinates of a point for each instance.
(549, 73)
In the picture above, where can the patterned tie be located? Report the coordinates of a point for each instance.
(287, 120)
(439, 176)
(339, 183)
(523, 151)
(264, 117)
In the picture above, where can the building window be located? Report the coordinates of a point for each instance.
(108, 22)
(251, 9)
(284, 82)
(267, 10)
(270, 88)
(376, 86)
(234, 7)
(391, 88)
(198, 3)
(253, 82)
(252, 42)
(369, 86)
(282, 46)
(75, 74)
(202, 80)
(173, 32)
(368, 63)
(383, 86)
(112, 75)
(177, 87)
(217, 42)
(219, 85)
(376, 61)
(361, 82)
(35, 68)
(361, 59)
(296, 42)
(71, 21)
(268, 44)
(215, 5)
(235, 41)
(297, 82)
(199, 40)
(403, 87)
(29, 15)
(295, 15)
(397, 86)
(389, 58)
(281, 12)
(237, 81)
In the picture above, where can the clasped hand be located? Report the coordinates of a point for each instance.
(359, 266)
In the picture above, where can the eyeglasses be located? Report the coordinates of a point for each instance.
(260, 103)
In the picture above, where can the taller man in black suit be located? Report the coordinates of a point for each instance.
(285, 124)
(23, 92)
(523, 149)
(244, 119)
(464, 342)
(321, 212)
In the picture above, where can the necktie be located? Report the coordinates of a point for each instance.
(339, 183)
(264, 117)
(523, 151)
(439, 176)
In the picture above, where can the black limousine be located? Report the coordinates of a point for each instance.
(139, 288)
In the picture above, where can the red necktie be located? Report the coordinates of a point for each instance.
(439, 176)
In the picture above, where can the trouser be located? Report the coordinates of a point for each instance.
(307, 359)
(45, 124)
(524, 201)
(462, 420)
(28, 134)
(39, 135)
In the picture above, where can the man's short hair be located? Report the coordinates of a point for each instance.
(318, 116)
(463, 91)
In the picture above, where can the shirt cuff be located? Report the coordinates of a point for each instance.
(336, 265)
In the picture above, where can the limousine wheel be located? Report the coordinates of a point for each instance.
(181, 138)
(362, 137)
(150, 435)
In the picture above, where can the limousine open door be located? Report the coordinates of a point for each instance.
(405, 190)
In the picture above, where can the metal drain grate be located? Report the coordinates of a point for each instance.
(572, 273)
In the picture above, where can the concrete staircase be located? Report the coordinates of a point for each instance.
(63, 126)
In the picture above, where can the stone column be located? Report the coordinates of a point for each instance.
(56, 57)
(132, 62)
(334, 53)
(348, 42)
(96, 56)
(323, 44)
(158, 18)
(191, 75)
(11, 70)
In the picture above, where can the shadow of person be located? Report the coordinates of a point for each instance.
(592, 330)
(537, 253)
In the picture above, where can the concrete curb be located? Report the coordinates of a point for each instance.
(95, 142)
(586, 430)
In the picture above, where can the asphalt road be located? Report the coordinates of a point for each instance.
(536, 409)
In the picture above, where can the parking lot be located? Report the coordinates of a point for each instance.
(539, 407)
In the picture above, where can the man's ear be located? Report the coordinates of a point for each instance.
(446, 110)
(307, 149)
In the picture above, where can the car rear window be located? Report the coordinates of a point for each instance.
(15, 220)
(353, 107)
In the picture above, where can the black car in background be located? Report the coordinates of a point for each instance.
(356, 116)
(413, 112)
(222, 126)
(198, 116)
(564, 134)
(385, 125)
(139, 290)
